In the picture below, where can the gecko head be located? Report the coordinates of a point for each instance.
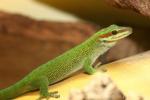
(113, 33)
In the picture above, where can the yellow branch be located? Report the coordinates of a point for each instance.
(131, 75)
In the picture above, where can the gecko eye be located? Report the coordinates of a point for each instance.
(114, 32)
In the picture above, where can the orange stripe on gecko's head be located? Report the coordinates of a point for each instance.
(108, 34)
(105, 35)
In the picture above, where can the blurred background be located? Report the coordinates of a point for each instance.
(35, 31)
(100, 12)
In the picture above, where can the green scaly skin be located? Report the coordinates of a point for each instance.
(80, 57)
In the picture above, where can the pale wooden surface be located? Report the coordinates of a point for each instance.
(130, 75)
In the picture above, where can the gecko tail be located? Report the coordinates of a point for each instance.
(13, 91)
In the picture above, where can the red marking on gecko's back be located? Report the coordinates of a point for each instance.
(106, 35)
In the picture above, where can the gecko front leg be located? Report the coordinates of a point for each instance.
(87, 66)
(98, 65)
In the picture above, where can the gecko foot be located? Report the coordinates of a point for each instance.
(53, 94)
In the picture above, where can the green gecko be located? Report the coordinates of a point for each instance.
(79, 57)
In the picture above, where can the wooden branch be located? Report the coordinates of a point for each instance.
(130, 75)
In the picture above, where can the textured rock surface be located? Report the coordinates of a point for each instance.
(101, 88)
(140, 6)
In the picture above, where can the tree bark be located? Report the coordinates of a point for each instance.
(140, 6)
